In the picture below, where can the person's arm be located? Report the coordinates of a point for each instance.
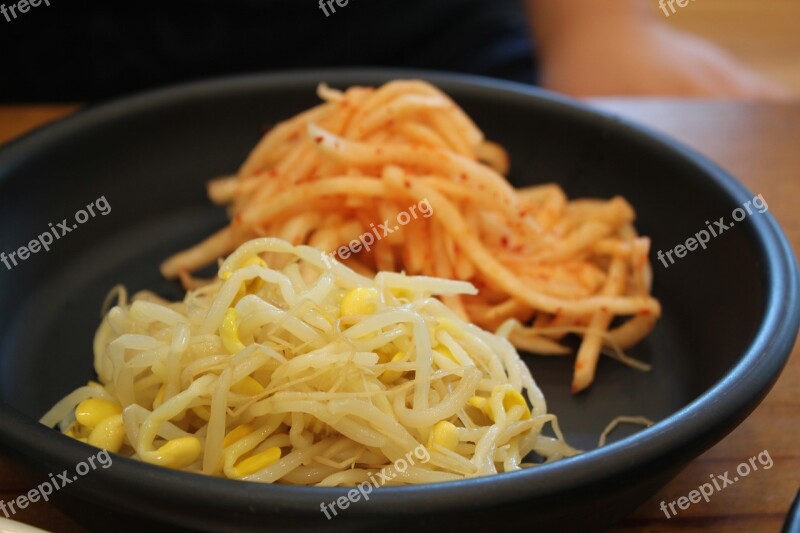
(620, 47)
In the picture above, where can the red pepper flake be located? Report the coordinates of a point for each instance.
(318, 139)
(407, 184)
(504, 241)
(273, 172)
(463, 177)
(645, 312)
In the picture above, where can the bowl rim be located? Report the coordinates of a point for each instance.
(735, 393)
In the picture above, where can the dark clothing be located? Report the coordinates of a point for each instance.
(77, 50)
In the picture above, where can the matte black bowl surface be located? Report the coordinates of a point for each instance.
(730, 312)
(792, 524)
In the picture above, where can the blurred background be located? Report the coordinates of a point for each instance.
(764, 34)
(88, 50)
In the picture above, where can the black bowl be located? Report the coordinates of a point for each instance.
(731, 311)
(792, 524)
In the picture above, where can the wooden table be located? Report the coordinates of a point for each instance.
(758, 143)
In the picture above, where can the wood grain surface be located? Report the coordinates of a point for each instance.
(758, 143)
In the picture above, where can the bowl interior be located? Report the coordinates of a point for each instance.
(151, 160)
